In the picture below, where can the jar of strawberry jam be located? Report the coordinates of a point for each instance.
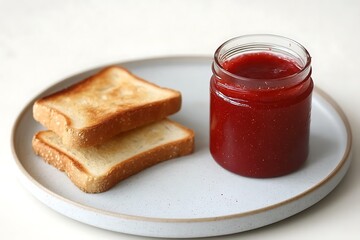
(260, 104)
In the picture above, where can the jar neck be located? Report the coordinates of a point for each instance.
(269, 44)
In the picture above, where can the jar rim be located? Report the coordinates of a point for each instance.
(307, 58)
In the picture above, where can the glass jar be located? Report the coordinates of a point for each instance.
(260, 105)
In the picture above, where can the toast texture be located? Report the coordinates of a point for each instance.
(104, 105)
(98, 168)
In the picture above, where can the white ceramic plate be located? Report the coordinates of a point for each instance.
(190, 196)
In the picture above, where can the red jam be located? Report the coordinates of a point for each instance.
(260, 114)
(261, 66)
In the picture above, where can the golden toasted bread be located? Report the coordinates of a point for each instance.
(98, 168)
(104, 105)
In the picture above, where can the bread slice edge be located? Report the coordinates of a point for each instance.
(110, 126)
(89, 183)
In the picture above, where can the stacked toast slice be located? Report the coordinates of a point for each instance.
(108, 127)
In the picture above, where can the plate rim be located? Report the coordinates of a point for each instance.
(328, 178)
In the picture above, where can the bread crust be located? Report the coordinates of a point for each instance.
(89, 183)
(107, 126)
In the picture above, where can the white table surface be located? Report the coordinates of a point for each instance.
(41, 42)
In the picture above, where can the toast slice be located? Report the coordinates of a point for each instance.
(98, 168)
(100, 107)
